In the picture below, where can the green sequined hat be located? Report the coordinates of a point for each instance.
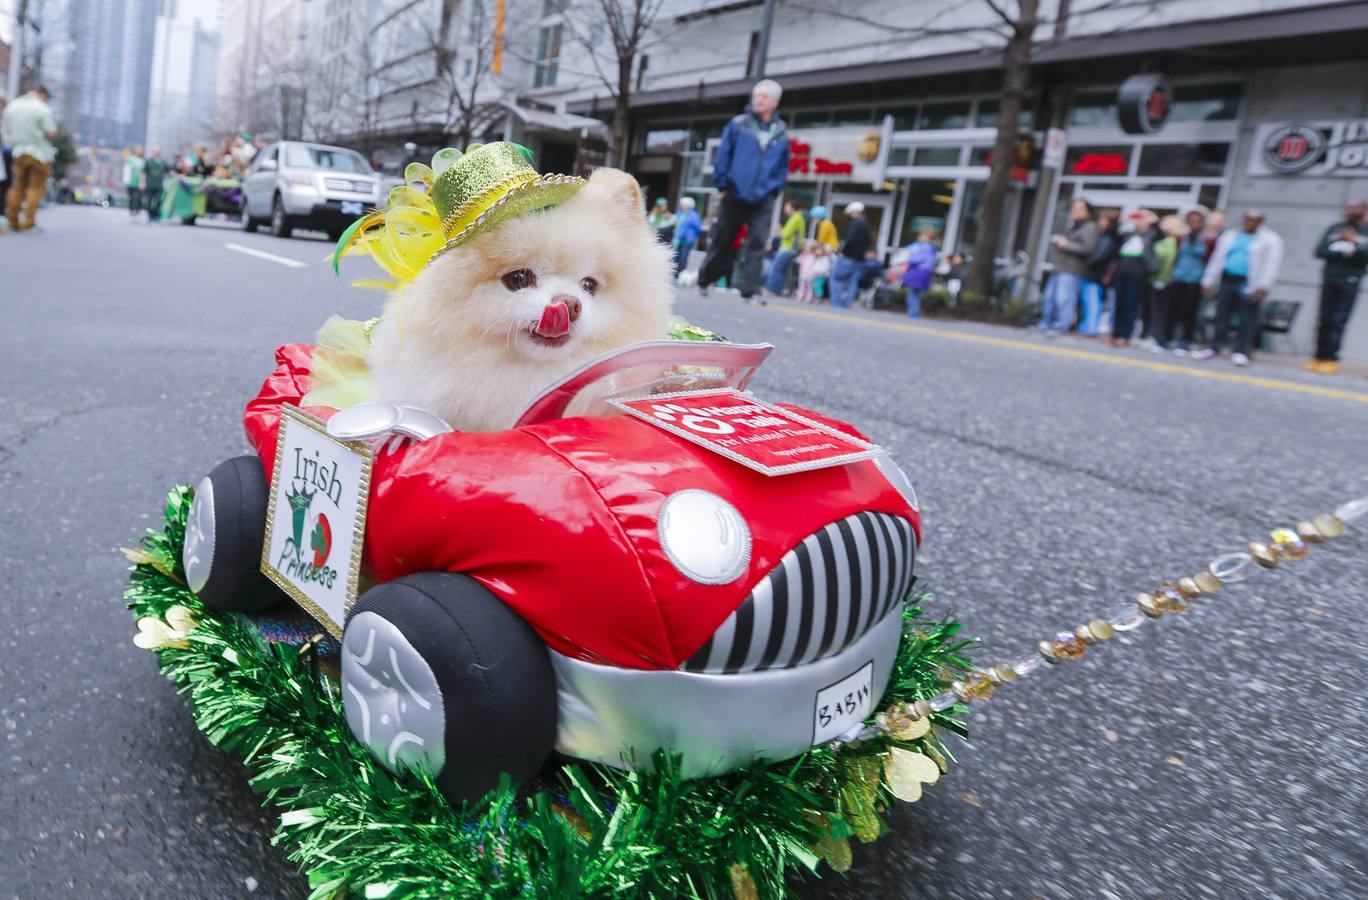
(488, 184)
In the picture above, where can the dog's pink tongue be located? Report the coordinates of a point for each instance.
(555, 321)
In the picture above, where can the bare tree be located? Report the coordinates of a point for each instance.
(463, 72)
(1016, 72)
(630, 27)
(1011, 29)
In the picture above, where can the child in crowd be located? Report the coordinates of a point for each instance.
(807, 270)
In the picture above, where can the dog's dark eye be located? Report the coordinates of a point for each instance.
(590, 285)
(518, 279)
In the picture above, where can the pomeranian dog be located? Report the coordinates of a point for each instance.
(488, 325)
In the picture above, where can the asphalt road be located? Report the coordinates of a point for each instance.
(1220, 755)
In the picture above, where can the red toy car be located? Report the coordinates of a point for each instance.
(591, 584)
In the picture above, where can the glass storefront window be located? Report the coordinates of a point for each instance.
(820, 119)
(945, 115)
(702, 132)
(987, 116)
(1184, 159)
(671, 140)
(852, 117)
(1209, 195)
(1098, 108)
(927, 206)
(972, 204)
(936, 156)
(904, 117)
(1109, 159)
(1191, 103)
(1206, 102)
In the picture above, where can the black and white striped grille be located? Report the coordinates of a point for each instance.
(821, 597)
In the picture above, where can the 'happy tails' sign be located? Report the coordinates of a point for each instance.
(316, 518)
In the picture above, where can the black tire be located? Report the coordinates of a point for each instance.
(281, 226)
(247, 222)
(222, 553)
(335, 234)
(495, 704)
(187, 220)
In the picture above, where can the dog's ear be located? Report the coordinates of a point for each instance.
(618, 190)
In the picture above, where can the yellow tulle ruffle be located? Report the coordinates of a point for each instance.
(402, 238)
(341, 376)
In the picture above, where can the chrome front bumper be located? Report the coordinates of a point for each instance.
(718, 722)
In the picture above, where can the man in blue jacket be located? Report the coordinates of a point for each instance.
(750, 170)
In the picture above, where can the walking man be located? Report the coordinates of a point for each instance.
(1070, 254)
(1241, 271)
(29, 129)
(133, 180)
(750, 169)
(1344, 247)
(790, 243)
(854, 259)
(154, 171)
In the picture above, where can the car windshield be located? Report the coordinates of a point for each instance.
(639, 370)
(299, 156)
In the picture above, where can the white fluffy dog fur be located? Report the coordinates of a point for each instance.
(459, 340)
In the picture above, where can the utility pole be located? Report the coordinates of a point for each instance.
(16, 64)
(762, 46)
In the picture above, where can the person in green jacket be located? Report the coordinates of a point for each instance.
(790, 244)
(1162, 293)
(1344, 247)
(155, 168)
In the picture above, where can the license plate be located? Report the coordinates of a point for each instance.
(352, 208)
(843, 705)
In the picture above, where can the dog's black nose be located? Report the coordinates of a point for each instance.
(571, 303)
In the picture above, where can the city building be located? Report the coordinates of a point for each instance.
(900, 112)
(263, 68)
(402, 80)
(183, 96)
(96, 58)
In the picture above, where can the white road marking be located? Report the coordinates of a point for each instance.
(262, 254)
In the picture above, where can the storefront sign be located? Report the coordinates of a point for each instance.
(1143, 103)
(1055, 142)
(1318, 148)
(857, 153)
(1100, 164)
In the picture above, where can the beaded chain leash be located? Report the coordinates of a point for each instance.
(1170, 596)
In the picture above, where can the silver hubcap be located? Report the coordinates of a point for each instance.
(197, 556)
(391, 698)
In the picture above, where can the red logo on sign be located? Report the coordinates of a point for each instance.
(1157, 107)
(756, 434)
(1101, 164)
(1293, 147)
(802, 161)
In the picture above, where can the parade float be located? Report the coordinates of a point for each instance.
(186, 198)
(659, 638)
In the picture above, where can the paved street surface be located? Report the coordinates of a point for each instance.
(1220, 755)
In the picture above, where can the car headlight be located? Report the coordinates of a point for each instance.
(704, 537)
(298, 178)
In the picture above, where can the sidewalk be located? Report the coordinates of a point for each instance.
(1265, 363)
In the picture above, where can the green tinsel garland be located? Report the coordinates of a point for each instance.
(582, 831)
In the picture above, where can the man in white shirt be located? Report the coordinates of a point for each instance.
(1242, 270)
(29, 128)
